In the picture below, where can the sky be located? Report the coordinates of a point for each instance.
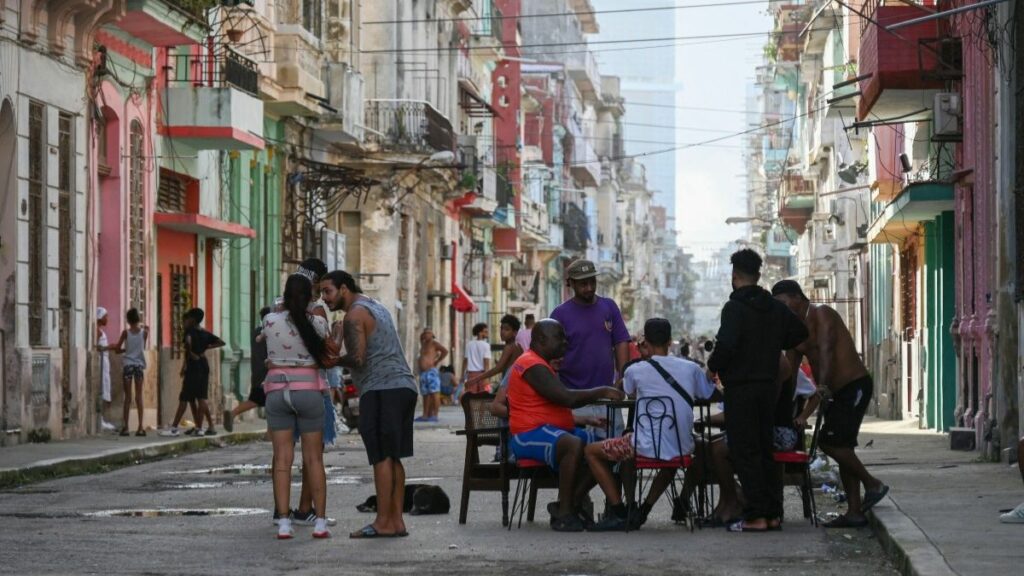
(711, 184)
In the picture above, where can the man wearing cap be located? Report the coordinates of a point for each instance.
(844, 382)
(598, 340)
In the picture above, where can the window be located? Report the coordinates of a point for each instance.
(36, 222)
(136, 223)
(181, 302)
(65, 179)
(311, 16)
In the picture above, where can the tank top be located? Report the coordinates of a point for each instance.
(386, 367)
(134, 349)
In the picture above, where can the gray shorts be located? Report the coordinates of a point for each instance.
(306, 411)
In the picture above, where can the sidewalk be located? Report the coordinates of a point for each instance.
(26, 463)
(942, 513)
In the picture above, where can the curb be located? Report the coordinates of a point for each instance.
(117, 458)
(910, 549)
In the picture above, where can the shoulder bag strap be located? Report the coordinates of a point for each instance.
(672, 382)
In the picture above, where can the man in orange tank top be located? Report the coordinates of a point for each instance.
(542, 424)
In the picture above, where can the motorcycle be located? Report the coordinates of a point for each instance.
(349, 401)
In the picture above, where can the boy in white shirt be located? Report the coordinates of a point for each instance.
(657, 375)
(477, 359)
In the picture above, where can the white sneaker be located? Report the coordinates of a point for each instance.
(321, 531)
(284, 529)
(170, 432)
(107, 426)
(1015, 516)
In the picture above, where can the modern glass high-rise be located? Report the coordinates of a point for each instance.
(648, 77)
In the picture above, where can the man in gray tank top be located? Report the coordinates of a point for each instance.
(387, 395)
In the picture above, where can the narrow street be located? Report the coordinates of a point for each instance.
(71, 526)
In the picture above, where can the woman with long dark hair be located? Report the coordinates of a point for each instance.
(294, 387)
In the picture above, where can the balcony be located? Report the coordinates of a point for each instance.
(586, 15)
(534, 222)
(343, 124)
(583, 70)
(905, 71)
(917, 204)
(410, 126)
(211, 102)
(299, 73)
(162, 23)
(487, 31)
(575, 225)
(609, 263)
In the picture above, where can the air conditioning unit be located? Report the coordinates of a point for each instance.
(946, 119)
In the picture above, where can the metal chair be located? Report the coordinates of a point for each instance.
(796, 470)
(657, 414)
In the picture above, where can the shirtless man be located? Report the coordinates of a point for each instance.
(845, 386)
(432, 353)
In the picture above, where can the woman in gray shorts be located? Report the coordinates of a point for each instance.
(294, 387)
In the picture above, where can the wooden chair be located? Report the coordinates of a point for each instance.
(483, 429)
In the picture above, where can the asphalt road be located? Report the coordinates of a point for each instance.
(66, 527)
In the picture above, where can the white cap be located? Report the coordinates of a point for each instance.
(101, 313)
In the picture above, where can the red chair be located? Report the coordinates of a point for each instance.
(530, 476)
(657, 414)
(796, 471)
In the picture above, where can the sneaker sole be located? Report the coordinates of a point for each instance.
(285, 536)
(321, 535)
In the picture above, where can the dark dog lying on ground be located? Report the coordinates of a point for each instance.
(419, 499)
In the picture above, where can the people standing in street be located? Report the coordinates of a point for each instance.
(477, 359)
(195, 374)
(257, 372)
(294, 386)
(846, 389)
(103, 347)
(598, 340)
(387, 396)
(510, 353)
(1016, 515)
(432, 353)
(755, 329)
(524, 333)
(132, 346)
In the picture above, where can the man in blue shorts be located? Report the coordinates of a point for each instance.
(432, 353)
(542, 424)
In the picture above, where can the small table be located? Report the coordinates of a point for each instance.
(610, 407)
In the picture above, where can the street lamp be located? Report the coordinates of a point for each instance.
(746, 219)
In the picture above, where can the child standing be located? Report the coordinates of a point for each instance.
(133, 346)
(195, 373)
(103, 347)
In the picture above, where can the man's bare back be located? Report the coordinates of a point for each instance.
(830, 349)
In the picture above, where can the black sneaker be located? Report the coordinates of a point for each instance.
(570, 523)
(229, 421)
(304, 518)
(278, 516)
(609, 523)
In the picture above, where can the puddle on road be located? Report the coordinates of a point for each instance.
(158, 512)
(246, 470)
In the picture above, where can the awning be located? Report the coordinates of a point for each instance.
(918, 203)
(474, 104)
(463, 302)
(202, 225)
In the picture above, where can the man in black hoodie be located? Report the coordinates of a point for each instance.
(755, 329)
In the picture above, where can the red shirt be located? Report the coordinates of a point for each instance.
(528, 409)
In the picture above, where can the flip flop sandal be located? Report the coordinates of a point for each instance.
(775, 525)
(844, 522)
(369, 531)
(741, 526)
(872, 498)
(402, 534)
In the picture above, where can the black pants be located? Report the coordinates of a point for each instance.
(749, 417)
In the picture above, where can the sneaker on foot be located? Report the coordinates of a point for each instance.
(304, 518)
(107, 426)
(277, 517)
(1015, 516)
(320, 530)
(171, 432)
(210, 432)
(284, 529)
(421, 419)
(193, 432)
(229, 421)
(124, 432)
(609, 523)
(568, 523)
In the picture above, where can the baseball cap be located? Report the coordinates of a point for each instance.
(581, 270)
(790, 287)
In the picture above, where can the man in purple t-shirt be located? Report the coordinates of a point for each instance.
(598, 339)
